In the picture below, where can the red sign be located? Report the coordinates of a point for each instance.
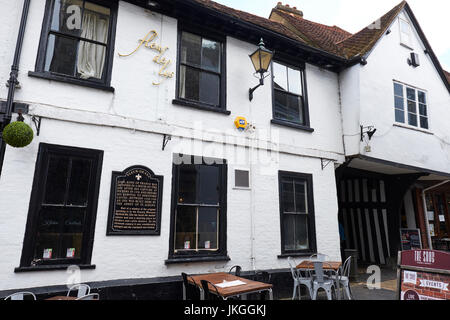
(431, 259)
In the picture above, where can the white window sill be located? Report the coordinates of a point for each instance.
(405, 126)
(242, 188)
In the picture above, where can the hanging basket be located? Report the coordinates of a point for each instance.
(18, 134)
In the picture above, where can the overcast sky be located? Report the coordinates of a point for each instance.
(353, 15)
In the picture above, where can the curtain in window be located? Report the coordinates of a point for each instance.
(91, 57)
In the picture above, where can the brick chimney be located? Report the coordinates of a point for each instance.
(286, 8)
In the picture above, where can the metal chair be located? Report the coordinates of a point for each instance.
(21, 296)
(344, 277)
(190, 291)
(319, 257)
(91, 296)
(237, 271)
(83, 290)
(208, 289)
(322, 281)
(299, 279)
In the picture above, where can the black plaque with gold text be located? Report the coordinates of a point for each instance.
(135, 202)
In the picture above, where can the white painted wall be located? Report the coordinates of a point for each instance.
(128, 125)
(388, 62)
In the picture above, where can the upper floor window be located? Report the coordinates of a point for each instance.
(410, 106)
(405, 33)
(76, 41)
(289, 98)
(201, 76)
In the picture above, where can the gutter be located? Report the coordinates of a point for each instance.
(13, 82)
(427, 224)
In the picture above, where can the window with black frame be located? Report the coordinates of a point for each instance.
(199, 200)
(77, 40)
(63, 207)
(289, 101)
(297, 213)
(201, 75)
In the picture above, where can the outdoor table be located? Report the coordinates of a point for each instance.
(62, 298)
(327, 266)
(249, 287)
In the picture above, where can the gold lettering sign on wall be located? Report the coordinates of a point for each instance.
(159, 59)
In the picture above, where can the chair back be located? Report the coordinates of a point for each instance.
(346, 267)
(208, 289)
(319, 257)
(91, 296)
(237, 271)
(192, 291)
(318, 271)
(21, 296)
(262, 276)
(293, 266)
(83, 290)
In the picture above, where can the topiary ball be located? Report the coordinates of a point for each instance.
(18, 134)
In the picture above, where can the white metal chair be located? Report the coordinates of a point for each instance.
(92, 296)
(83, 290)
(344, 277)
(299, 279)
(21, 296)
(322, 281)
(319, 257)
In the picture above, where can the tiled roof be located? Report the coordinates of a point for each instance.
(251, 18)
(447, 74)
(315, 34)
(362, 42)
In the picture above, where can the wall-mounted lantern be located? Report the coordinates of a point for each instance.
(261, 59)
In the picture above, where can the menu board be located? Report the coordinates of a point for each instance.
(424, 275)
(135, 202)
(410, 239)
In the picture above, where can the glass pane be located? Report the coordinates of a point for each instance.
(48, 233)
(211, 55)
(295, 232)
(288, 107)
(422, 109)
(185, 228)
(79, 182)
(208, 228)
(61, 55)
(72, 237)
(300, 197)
(398, 90)
(412, 119)
(424, 122)
(241, 178)
(91, 60)
(55, 187)
(404, 27)
(287, 189)
(66, 16)
(187, 185)
(95, 24)
(399, 103)
(191, 49)
(209, 191)
(422, 97)
(411, 94)
(280, 76)
(295, 81)
(412, 106)
(189, 83)
(399, 116)
(209, 88)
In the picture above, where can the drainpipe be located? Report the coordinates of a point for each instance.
(427, 224)
(13, 82)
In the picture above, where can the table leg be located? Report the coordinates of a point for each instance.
(270, 294)
(202, 294)
(184, 291)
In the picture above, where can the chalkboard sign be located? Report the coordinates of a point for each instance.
(135, 202)
(410, 239)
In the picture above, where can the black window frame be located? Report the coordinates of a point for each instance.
(299, 66)
(311, 214)
(209, 34)
(201, 255)
(105, 82)
(27, 262)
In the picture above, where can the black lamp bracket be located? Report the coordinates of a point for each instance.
(261, 83)
(166, 139)
(37, 123)
(370, 132)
